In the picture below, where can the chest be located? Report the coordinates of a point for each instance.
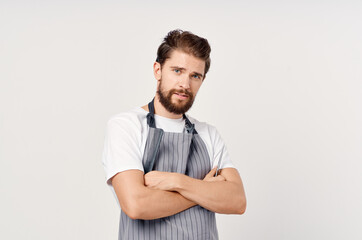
(176, 152)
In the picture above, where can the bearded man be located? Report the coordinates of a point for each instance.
(169, 172)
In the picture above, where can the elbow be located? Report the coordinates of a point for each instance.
(237, 205)
(132, 209)
(240, 206)
(132, 213)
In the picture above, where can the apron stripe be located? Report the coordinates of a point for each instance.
(185, 153)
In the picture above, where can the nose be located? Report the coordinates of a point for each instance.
(185, 82)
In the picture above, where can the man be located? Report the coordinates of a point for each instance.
(163, 165)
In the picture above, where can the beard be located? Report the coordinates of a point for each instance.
(181, 106)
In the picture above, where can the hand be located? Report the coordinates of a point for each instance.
(161, 180)
(210, 176)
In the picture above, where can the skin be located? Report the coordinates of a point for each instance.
(159, 194)
(221, 194)
(179, 72)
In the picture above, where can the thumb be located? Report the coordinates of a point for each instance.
(211, 173)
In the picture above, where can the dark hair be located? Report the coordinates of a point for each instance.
(186, 42)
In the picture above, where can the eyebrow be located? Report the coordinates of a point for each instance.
(196, 73)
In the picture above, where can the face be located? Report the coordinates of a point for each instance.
(179, 80)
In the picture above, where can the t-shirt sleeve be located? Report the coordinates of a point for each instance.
(221, 157)
(121, 147)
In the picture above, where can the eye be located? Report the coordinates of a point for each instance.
(196, 76)
(177, 70)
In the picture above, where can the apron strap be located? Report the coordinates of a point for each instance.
(190, 127)
(151, 115)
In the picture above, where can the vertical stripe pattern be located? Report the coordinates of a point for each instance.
(184, 153)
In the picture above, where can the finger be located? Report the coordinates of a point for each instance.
(220, 178)
(146, 181)
(211, 173)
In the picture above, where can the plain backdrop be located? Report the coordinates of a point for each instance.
(284, 90)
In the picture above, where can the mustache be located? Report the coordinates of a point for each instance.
(182, 91)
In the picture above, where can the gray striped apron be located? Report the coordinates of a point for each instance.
(184, 153)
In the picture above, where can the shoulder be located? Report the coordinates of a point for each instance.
(132, 119)
(204, 128)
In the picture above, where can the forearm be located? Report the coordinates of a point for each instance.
(154, 203)
(141, 202)
(222, 194)
(221, 197)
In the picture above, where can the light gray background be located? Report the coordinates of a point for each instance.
(284, 90)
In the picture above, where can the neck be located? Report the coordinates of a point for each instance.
(161, 110)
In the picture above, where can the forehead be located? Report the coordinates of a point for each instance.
(184, 60)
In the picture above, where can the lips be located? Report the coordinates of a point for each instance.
(181, 95)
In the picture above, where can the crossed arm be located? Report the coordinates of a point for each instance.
(161, 194)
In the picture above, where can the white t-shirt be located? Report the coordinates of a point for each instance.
(126, 137)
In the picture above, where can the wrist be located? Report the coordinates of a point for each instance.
(178, 182)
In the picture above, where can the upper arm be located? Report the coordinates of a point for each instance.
(220, 156)
(232, 175)
(129, 186)
(122, 149)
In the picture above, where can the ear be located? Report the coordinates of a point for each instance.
(157, 70)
